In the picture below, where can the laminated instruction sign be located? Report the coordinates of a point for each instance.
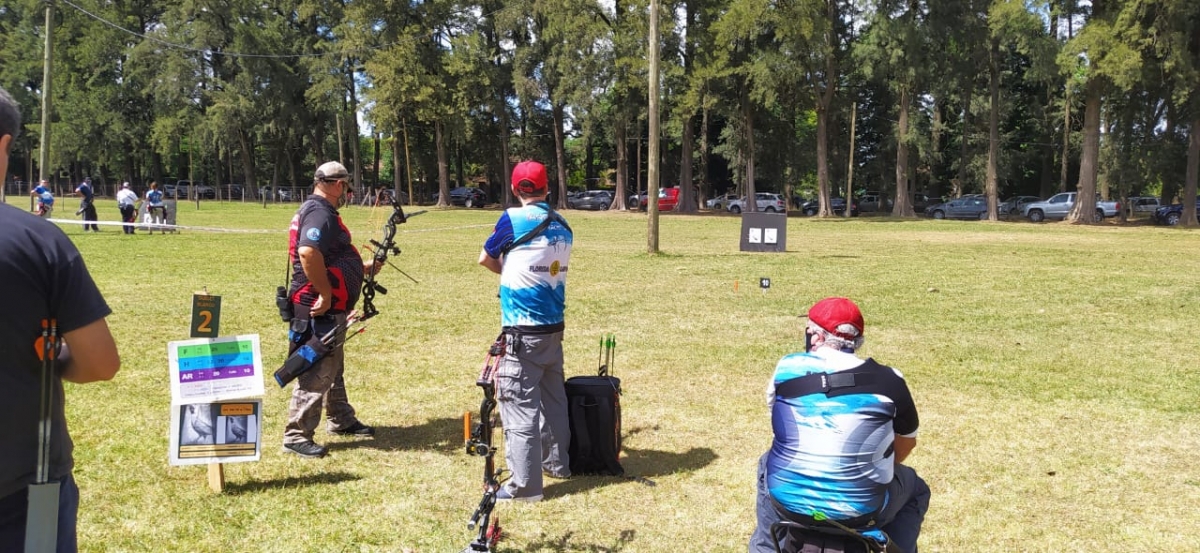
(215, 414)
(216, 432)
(215, 369)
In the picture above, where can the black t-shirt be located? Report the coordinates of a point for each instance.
(318, 225)
(41, 274)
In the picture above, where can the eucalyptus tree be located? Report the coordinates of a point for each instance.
(1177, 24)
(894, 49)
(1106, 51)
(556, 65)
(21, 25)
(624, 98)
(751, 62)
(1011, 27)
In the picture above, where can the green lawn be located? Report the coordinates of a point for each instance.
(1053, 367)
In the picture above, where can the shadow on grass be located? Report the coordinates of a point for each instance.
(444, 435)
(316, 479)
(640, 465)
(563, 543)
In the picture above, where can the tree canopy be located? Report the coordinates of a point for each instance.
(946, 97)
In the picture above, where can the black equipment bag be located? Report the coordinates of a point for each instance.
(594, 409)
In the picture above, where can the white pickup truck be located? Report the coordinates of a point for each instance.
(1059, 205)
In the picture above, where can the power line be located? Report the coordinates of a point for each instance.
(217, 52)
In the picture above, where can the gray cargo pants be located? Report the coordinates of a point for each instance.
(321, 386)
(533, 411)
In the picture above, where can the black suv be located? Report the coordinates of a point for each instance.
(466, 197)
(836, 204)
(1170, 215)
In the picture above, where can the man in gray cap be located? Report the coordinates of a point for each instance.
(327, 276)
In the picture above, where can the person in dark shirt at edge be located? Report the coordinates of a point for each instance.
(43, 277)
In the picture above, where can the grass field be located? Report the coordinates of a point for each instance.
(1053, 367)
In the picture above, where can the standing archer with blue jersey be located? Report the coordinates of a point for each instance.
(530, 249)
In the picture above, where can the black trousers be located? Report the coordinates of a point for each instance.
(127, 215)
(89, 214)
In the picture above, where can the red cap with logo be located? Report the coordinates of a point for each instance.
(837, 315)
(529, 178)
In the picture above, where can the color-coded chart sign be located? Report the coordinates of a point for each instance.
(215, 369)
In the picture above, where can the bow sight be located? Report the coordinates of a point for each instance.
(381, 250)
(478, 439)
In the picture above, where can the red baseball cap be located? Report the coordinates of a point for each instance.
(835, 315)
(529, 178)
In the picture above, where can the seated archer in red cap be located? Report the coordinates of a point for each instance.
(842, 427)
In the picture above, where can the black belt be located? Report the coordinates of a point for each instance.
(866, 521)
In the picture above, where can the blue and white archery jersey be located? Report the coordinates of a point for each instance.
(833, 453)
(533, 282)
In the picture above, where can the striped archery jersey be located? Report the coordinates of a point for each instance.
(533, 282)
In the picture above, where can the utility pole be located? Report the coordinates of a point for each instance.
(47, 62)
(653, 155)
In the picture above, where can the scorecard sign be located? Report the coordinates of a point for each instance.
(215, 369)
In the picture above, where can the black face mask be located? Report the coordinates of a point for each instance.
(807, 341)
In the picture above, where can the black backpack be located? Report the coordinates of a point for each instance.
(594, 410)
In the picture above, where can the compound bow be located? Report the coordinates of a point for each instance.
(479, 443)
(381, 250)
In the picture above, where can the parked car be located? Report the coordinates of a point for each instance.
(466, 196)
(720, 202)
(966, 207)
(836, 205)
(636, 201)
(281, 194)
(668, 198)
(872, 202)
(1171, 214)
(1059, 205)
(1015, 204)
(1143, 204)
(186, 189)
(590, 199)
(766, 202)
(231, 191)
(176, 191)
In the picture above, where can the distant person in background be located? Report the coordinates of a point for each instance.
(45, 199)
(127, 202)
(155, 207)
(87, 204)
(44, 277)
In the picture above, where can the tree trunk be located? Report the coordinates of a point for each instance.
(356, 155)
(993, 164)
(687, 192)
(1192, 174)
(397, 176)
(751, 203)
(560, 156)
(960, 182)
(1066, 148)
(704, 154)
(1085, 201)
(619, 136)
(247, 150)
(443, 165)
(823, 156)
(901, 207)
(505, 186)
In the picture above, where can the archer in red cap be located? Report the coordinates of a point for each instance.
(529, 180)
(842, 426)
